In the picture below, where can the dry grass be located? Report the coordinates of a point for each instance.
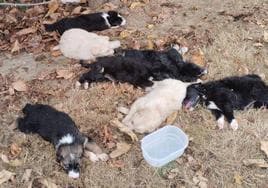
(216, 155)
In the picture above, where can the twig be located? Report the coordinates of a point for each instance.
(24, 4)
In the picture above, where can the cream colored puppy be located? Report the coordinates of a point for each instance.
(163, 98)
(82, 45)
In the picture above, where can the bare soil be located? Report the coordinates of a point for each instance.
(228, 32)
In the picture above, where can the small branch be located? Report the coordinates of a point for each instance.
(24, 4)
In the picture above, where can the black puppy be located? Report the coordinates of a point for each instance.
(90, 22)
(221, 97)
(169, 61)
(59, 129)
(139, 68)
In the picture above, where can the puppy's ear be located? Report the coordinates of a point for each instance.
(59, 157)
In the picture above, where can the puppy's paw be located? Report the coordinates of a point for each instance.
(103, 157)
(92, 156)
(220, 122)
(86, 85)
(234, 124)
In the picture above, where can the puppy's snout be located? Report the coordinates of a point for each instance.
(73, 170)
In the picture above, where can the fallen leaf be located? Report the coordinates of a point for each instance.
(6, 176)
(26, 176)
(16, 47)
(264, 147)
(256, 162)
(150, 26)
(19, 85)
(243, 69)
(4, 158)
(136, 4)
(56, 53)
(64, 73)
(52, 7)
(238, 179)
(258, 44)
(199, 58)
(117, 164)
(26, 31)
(121, 148)
(150, 44)
(15, 150)
(77, 10)
(109, 6)
(171, 119)
(15, 162)
(124, 34)
(265, 36)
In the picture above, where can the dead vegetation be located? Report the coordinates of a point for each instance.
(229, 37)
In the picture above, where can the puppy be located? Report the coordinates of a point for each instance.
(169, 60)
(59, 129)
(224, 96)
(82, 45)
(137, 71)
(148, 112)
(89, 22)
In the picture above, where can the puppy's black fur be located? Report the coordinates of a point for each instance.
(231, 93)
(139, 68)
(121, 69)
(89, 22)
(53, 126)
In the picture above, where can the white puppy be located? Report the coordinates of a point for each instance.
(82, 45)
(148, 112)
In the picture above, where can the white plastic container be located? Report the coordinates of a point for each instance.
(164, 145)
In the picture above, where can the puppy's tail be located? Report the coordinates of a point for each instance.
(57, 26)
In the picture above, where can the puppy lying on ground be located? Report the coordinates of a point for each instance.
(82, 45)
(140, 71)
(148, 112)
(59, 129)
(221, 97)
(89, 22)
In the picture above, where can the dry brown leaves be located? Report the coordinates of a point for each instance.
(15, 150)
(121, 148)
(19, 85)
(64, 73)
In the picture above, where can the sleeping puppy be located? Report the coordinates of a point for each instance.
(148, 112)
(167, 57)
(82, 45)
(169, 60)
(89, 22)
(59, 129)
(137, 72)
(224, 96)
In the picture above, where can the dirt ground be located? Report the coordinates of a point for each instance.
(229, 33)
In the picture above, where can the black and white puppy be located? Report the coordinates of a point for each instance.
(139, 68)
(59, 129)
(89, 22)
(224, 96)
